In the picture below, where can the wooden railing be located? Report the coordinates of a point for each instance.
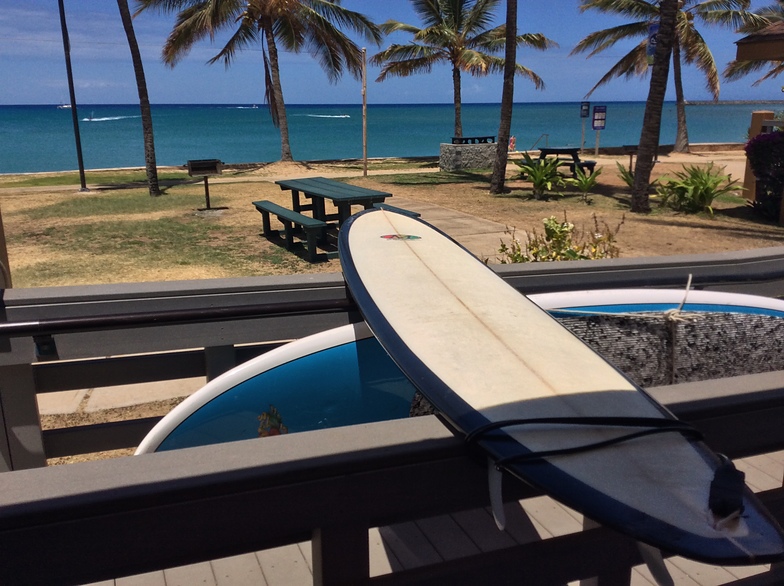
(306, 485)
(95, 521)
(85, 337)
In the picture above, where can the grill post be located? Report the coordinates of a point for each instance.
(204, 168)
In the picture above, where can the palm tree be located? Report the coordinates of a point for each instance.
(651, 125)
(296, 25)
(498, 178)
(688, 45)
(144, 100)
(773, 14)
(455, 32)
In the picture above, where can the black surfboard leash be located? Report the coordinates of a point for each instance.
(726, 489)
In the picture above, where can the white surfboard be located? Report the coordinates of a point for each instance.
(483, 355)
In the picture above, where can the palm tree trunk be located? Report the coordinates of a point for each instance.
(458, 102)
(651, 126)
(682, 134)
(144, 100)
(277, 89)
(507, 100)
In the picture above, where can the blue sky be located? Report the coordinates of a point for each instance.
(33, 70)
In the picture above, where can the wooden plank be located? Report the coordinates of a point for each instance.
(519, 525)
(382, 559)
(284, 566)
(306, 549)
(238, 570)
(757, 476)
(147, 579)
(703, 574)
(447, 537)
(409, 545)
(190, 575)
(480, 527)
(641, 576)
(551, 518)
(742, 572)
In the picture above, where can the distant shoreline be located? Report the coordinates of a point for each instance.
(732, 102)
(401, 105)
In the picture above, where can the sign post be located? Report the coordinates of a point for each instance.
(599, 122)
(585, 108)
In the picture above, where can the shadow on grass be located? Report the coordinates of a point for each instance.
(442, 178)
(163, 184)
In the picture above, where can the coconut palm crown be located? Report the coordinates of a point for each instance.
(456, 32)
(296, 25)
(769, 16)
(689, 46)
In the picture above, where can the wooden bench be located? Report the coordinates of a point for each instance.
(586, 166)
(313, 229)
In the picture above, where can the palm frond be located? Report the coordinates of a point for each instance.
(536, 41)
(393, 26)
(479, 17)
(428, 11)
(633, 64)
(409, 67)
(737, 69)
(245, 35)
(342, 18)
(161, 6)
(633, 9)
(598, 41)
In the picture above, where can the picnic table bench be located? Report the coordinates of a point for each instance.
(569, 157)
(316, 228)
(313, 229)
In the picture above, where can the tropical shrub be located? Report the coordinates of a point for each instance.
(561, 242)
(628, 177)
(695, 187)
(625, 174)
(766, 157)
(582, 182)
(542, 173)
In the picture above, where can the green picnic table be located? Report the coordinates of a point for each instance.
(320, 189)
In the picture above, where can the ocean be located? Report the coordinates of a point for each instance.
(40, 138)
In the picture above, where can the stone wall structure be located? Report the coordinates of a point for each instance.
(454, 157)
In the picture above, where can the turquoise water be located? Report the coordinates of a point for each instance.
(40, 138)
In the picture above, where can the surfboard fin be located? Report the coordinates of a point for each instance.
(495, 479)
(726, 490)
(653, 559)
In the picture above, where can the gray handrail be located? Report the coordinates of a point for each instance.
(544, 136)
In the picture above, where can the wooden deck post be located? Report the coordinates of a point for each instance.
(21, 445)
(341, 556)
(219, 359)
